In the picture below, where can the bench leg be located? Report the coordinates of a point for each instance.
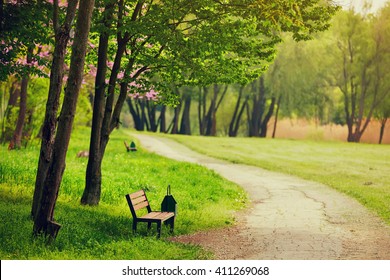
(149, 226)
(134, 226)
(172, 224)
(158, 229)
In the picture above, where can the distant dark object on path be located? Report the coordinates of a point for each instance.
(130, 147)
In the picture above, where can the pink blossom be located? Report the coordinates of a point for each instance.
(44, 54)
(92, 70)
(91, 45)
(121, 74)
(61, 3)
(150, 95)
(110, 64)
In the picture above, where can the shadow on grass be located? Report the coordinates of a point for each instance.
(86, 233)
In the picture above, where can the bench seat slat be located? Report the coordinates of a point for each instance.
(158, 216)
(137, 194)
(141, 205)
(137, 200)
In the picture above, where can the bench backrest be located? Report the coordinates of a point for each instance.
(137, 201)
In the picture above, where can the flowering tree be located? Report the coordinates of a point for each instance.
(23, 55)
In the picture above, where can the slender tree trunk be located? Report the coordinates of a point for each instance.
(211, 119)
(135, 114)
(91, 194)
(237, 113)
(276, 116)
(264, 123)
(100, 131)
(382, 130)
(175, 120)
(14, 94)
(203, 92)
(185, 126)
(151, 108)
(43, 222)
(162, 120)
(16, 141)
(1, 15)
(62, 35)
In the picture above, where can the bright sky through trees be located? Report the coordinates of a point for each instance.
(358, 4)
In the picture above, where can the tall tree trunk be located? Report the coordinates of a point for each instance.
(1, 15)
(62, 35)
(209, 121)
(43, 222)
(264, 123)
(100, 130)
(175, 121)
(151, 108)
(276, 116)
(134, 111)
(185, 126)
(113, 106)
(162, 120)
(258, 100)
(203, 92)
(236, 118)
(16, 141)
(382, 130)
(174, 125)
(14, 94)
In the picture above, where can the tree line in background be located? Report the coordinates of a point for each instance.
(339, 77)
(167, 59)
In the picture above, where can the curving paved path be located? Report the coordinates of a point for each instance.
(290, 218)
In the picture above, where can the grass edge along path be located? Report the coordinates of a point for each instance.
(205, 201)
(361, 171)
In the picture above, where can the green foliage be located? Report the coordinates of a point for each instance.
(104, 232)
(202, 42)
(25, 25)
(359, 170)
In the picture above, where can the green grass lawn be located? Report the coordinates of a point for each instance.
(361, 171)
(205, 201)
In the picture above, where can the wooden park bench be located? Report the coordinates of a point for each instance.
(131, 147)
(138, 201)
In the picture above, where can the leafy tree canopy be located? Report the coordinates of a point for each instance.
(203, 42)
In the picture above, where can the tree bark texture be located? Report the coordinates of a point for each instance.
(258, 103)
(16, 141)
(185, 125)
(102, 113)
(276, 115)
(48, 130)
(208, 121)
(162, 119)
(14, 94)
(237, 113)
(382, 130)
(44, 219)
(267, 117)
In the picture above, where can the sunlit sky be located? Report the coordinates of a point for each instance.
(358, 4)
